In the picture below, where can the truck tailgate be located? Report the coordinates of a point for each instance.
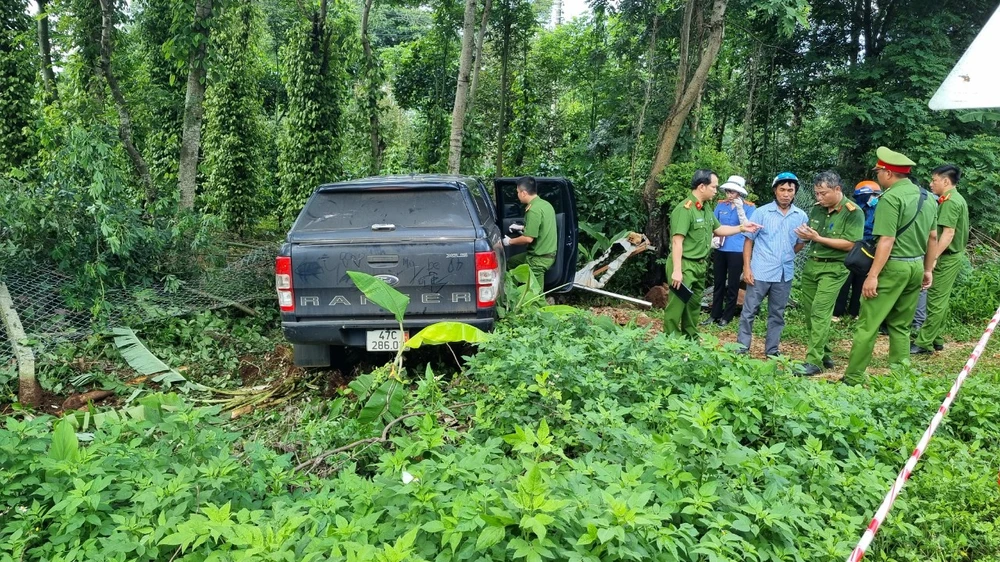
(437, 272)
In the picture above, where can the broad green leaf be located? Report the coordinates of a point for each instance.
(141, 359)
(65, 446)
(362, 385)
(380, 293)
(561, 309)
(388, 397)
(490, 536)
(446, 332)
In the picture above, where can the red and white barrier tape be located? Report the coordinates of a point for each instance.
(904, 475)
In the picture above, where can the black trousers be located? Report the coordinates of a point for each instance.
(728, 268)
(849, 299)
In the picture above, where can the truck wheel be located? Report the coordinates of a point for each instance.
(308, 355)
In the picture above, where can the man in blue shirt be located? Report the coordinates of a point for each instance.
(729, 254)
(769, 262)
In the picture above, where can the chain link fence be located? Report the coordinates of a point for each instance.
(50, 317)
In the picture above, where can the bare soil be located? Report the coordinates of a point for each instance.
(954, 353)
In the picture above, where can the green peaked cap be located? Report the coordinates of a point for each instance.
(893, 158)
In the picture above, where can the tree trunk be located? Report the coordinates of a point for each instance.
(478, 63)
(504, 85)
(373, 84)
(124, 117)
(45, 50)
(641, 122)
(462, 88)
(372, 93)
(194, 107)
(687, 91)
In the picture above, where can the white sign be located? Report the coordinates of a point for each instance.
(975, 81)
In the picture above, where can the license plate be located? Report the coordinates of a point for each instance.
(385, 340)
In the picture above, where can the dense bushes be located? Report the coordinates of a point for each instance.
(589, 442)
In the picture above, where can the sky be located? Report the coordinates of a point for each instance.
(571, 9)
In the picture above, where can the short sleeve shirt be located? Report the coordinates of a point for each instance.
(540, 224)
(773, 258)
(728, 216)
(953, 212)
(695, 225)
(895, 208)
(846, 221)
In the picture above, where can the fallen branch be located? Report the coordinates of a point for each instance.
(229, 302)
(384, 438)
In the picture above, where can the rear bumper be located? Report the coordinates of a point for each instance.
(352, 332)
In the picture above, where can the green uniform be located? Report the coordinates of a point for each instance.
(540, 224)
(900, 279)
(824, 273)
(695, 222)
(953, 212)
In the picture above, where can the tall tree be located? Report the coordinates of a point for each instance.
(691, 76)
(109, 15)
(462, 88)
(45, 51)
(234, 139)
(17, 80)
(194, 107)
(478, 60)
(315, 79)
(373, 88)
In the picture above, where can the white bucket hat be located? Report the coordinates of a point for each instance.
(735, 183)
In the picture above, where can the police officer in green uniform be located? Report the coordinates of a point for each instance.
(692, 224)
(834, 224)
(949, 254)
(539, 233)
(901, 267)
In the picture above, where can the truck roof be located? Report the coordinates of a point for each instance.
(412, 181)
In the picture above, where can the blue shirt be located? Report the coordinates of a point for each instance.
(773, 258)
(726, 213)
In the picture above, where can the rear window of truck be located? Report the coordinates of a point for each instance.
(349, 210)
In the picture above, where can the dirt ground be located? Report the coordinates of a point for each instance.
(943, 363)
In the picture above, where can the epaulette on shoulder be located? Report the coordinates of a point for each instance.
(688, 205)
(851, 206)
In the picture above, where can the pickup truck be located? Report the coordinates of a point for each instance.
(435, 238)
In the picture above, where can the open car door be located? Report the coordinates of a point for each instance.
(559, 193)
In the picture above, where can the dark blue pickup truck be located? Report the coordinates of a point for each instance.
(435, 238)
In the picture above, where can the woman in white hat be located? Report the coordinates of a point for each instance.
(732, 211)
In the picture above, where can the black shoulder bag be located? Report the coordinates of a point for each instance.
(861, 257)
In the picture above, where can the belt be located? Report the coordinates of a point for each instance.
(826, 260)
(913, 258)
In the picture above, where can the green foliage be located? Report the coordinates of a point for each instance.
(676, 178)
(83, 215)
(234, 139)
(315, 78)
(601, 444)
(17, 82)
(975, 297)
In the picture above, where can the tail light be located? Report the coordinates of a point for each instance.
(487, 278)
(283, 283)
